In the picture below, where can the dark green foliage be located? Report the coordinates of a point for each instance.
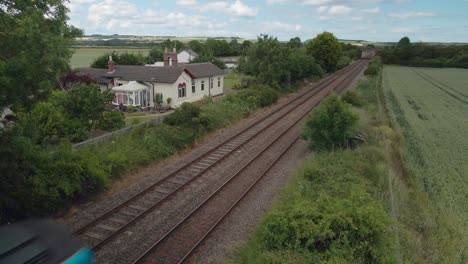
(343, 62)
(85, 103)
(124, 58)
(154, 55)
(34, 47)
(58, 175)
(404, 42)
(331, 125)
(374, 67)
(44, 179)
(326, 49)
(294, 43)
(329, 214)
(352, 98)
(207, 58)
(258, 96)
(68, 115)
(197, 46)
(301, 65)
(170, 44)
(351, 51)
(190, 117)
(110, 121)
(273, 65)
(425, 55)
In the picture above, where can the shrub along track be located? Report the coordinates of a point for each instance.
(100, 231)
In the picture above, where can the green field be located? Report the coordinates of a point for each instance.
(83, 57)
(430, 108)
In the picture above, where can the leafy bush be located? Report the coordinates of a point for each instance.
(259, 95)
(68, 115)
(331, 125)
(124, 58)
(352, 98)
(49, 177)
(329, 213)
(111, 121)
(343, 62)
(374, 67)
(58, 175)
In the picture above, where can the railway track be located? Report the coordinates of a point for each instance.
(182, 239)
(110, 224)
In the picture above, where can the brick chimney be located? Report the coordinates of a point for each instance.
(170, 58)
(110, 65)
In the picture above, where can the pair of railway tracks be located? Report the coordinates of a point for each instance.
(178, 243)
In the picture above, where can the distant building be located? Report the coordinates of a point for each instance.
(138, 85)
(186, 56)
(183, 57)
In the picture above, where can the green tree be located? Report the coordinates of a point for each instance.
(326, 50)
(196, 46)
(125, 58)
(154, 55)
(170, 44)
(404, 42)
(302, 65)
(343, 62)
(245, 47)
(294, 43)
(265, 60)
(330, 126)
(68, 115)
(208, 58)
(85, 103)
(34, 45)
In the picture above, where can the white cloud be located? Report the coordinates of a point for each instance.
(281, 26)
(339, 10)
(324, 2)
(186, 2)
(237, 8)
(408, 15)
(122, 16)
(322, 9)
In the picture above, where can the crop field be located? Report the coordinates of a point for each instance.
(83, 57)
(430, 107)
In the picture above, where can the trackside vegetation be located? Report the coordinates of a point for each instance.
(358, 205)
(330, 126)
(42, 178)
(335, 208)
(369, 204)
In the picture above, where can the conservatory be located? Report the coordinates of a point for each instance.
(132, 94)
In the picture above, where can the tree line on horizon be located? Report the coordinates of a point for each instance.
(425, 55)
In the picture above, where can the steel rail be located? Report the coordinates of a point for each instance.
(349, 78)
(316, 89)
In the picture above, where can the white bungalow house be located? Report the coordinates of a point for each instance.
(186, 56)
(138, 85)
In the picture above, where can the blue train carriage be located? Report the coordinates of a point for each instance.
(41, 241)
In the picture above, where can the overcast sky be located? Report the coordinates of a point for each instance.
(381, 20)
